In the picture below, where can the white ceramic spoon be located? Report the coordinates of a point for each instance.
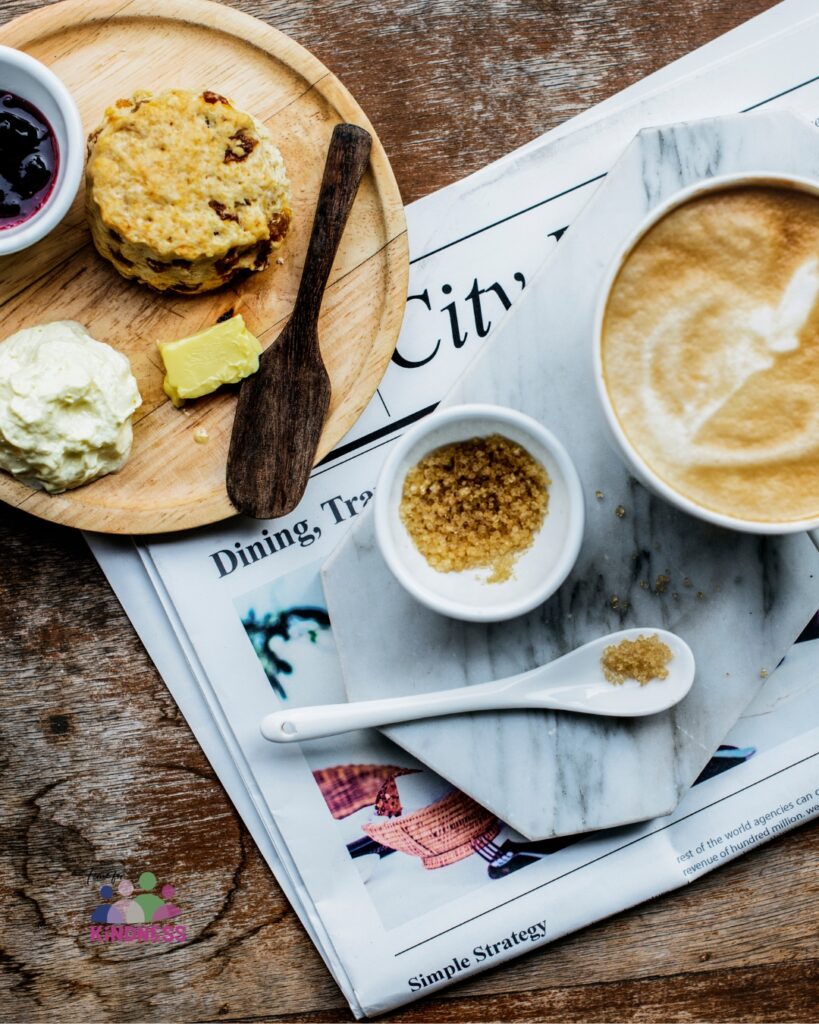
(574, 682)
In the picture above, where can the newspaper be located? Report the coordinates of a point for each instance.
(403, 883)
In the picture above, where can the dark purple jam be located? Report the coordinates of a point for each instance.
(29, 158)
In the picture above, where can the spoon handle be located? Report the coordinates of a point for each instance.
(298, 724)
(347, 160)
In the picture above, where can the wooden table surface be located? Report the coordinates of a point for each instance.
(98, 770)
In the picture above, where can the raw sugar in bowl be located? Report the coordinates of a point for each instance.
(41, 150)
(523, 458)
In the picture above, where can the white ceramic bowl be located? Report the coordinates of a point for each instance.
(537, 573)
(635, 462)
(30, 80)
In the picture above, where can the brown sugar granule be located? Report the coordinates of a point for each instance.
(661, 583)
(642, 659)
(599, 495)
(619, 511)
(475, 504)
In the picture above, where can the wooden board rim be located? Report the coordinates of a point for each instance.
(68, 14)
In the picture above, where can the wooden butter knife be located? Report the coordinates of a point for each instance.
(281, 409)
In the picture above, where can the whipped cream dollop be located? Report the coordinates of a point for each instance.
(66, 402)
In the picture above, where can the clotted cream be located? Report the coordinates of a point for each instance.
(66, 403)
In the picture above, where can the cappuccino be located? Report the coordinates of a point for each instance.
(710, 352)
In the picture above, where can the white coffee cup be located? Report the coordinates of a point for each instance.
(634, 461)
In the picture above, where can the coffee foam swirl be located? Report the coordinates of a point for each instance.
(711, 352)
(748, 342)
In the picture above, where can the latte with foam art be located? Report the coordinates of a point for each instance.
(710, 352)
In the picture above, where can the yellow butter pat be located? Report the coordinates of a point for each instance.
(223, 354)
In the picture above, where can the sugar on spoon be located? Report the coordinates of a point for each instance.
(574, 682)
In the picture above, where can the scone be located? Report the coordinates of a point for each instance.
(184, 192)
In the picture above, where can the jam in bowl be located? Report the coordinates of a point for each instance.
(29, 159)
(42, 151)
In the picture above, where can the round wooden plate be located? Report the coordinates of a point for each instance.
(107, 49)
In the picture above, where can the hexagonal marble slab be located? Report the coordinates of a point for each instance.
(739, 600)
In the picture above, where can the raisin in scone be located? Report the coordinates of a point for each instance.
(184, 191)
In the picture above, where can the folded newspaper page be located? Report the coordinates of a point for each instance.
(404, 883)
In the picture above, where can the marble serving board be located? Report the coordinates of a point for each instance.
(739, 600)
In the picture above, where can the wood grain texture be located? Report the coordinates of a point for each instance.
(98, 769)
(109, 49)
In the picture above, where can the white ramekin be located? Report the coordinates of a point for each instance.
(30, 80)
(617, 435)
(537, 573)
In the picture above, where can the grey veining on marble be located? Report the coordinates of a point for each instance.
(739, 600)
